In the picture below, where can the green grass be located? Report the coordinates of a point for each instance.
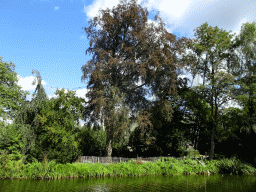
(52, 170)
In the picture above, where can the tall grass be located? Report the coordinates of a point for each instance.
(163, 166)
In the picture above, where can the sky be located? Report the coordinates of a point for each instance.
(48, 35)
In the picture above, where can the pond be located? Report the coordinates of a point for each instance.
(182, 183)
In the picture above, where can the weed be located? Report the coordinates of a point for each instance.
(170, 166)
(139, 161)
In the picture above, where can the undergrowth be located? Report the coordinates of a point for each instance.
(164, 166)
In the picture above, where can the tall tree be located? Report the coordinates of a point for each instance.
(11, 94)
(199, 114)
(39, 94)
(246, 70)
(29, 114)
(215, 44)
(13, 99)
(128, 63)
(58, 130)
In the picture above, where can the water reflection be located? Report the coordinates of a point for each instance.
(199, 183)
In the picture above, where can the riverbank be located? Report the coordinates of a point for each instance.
(163, 166)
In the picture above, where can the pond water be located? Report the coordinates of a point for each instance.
(182, 183)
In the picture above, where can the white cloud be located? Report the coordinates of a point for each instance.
(26, 83)
(92, 10)
(56, 8)
(170, 7)
(78, 93)
(186, 15)
(182, 17)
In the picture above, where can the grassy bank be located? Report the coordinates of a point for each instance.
(52, 170)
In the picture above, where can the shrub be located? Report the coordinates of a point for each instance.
(192, 153)
(11, 141)
(64, 153)
(138, 161)
(181, 151)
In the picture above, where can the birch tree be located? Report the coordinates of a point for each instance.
(128, 63)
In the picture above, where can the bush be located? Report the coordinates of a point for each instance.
(165, 166)
(64, 153)
(91, 142)
(8, 166)
(11, 141)
(192, 153)
(166, 159)
(4, 158)
(181, 151)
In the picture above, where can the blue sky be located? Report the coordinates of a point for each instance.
(47, 35)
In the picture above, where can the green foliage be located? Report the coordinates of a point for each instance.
(190, 162)
(59, 136)
(64, 152)
(9, 166)
(41, 126)
(167, 159)
(110, 87)
(181, 151)
(169, 166)
(11, 141)
(18, 140)
(232, 166)
(192, 153)
(4, 158)
(91, 142)
(214, 42)
(10, 93)
(44, 125)
(27, 121)
(245, 44)
(232, 120)
(170, 136)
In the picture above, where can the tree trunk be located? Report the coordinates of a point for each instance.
(108, 152)
(214, 124)
(212, 142)
(212, 115)
(197, 136)
(251, 111)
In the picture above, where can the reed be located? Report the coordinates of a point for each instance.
(163, 166)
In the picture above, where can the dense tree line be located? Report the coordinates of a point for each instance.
(132, 61)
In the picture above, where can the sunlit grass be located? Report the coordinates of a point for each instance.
(163, 166)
